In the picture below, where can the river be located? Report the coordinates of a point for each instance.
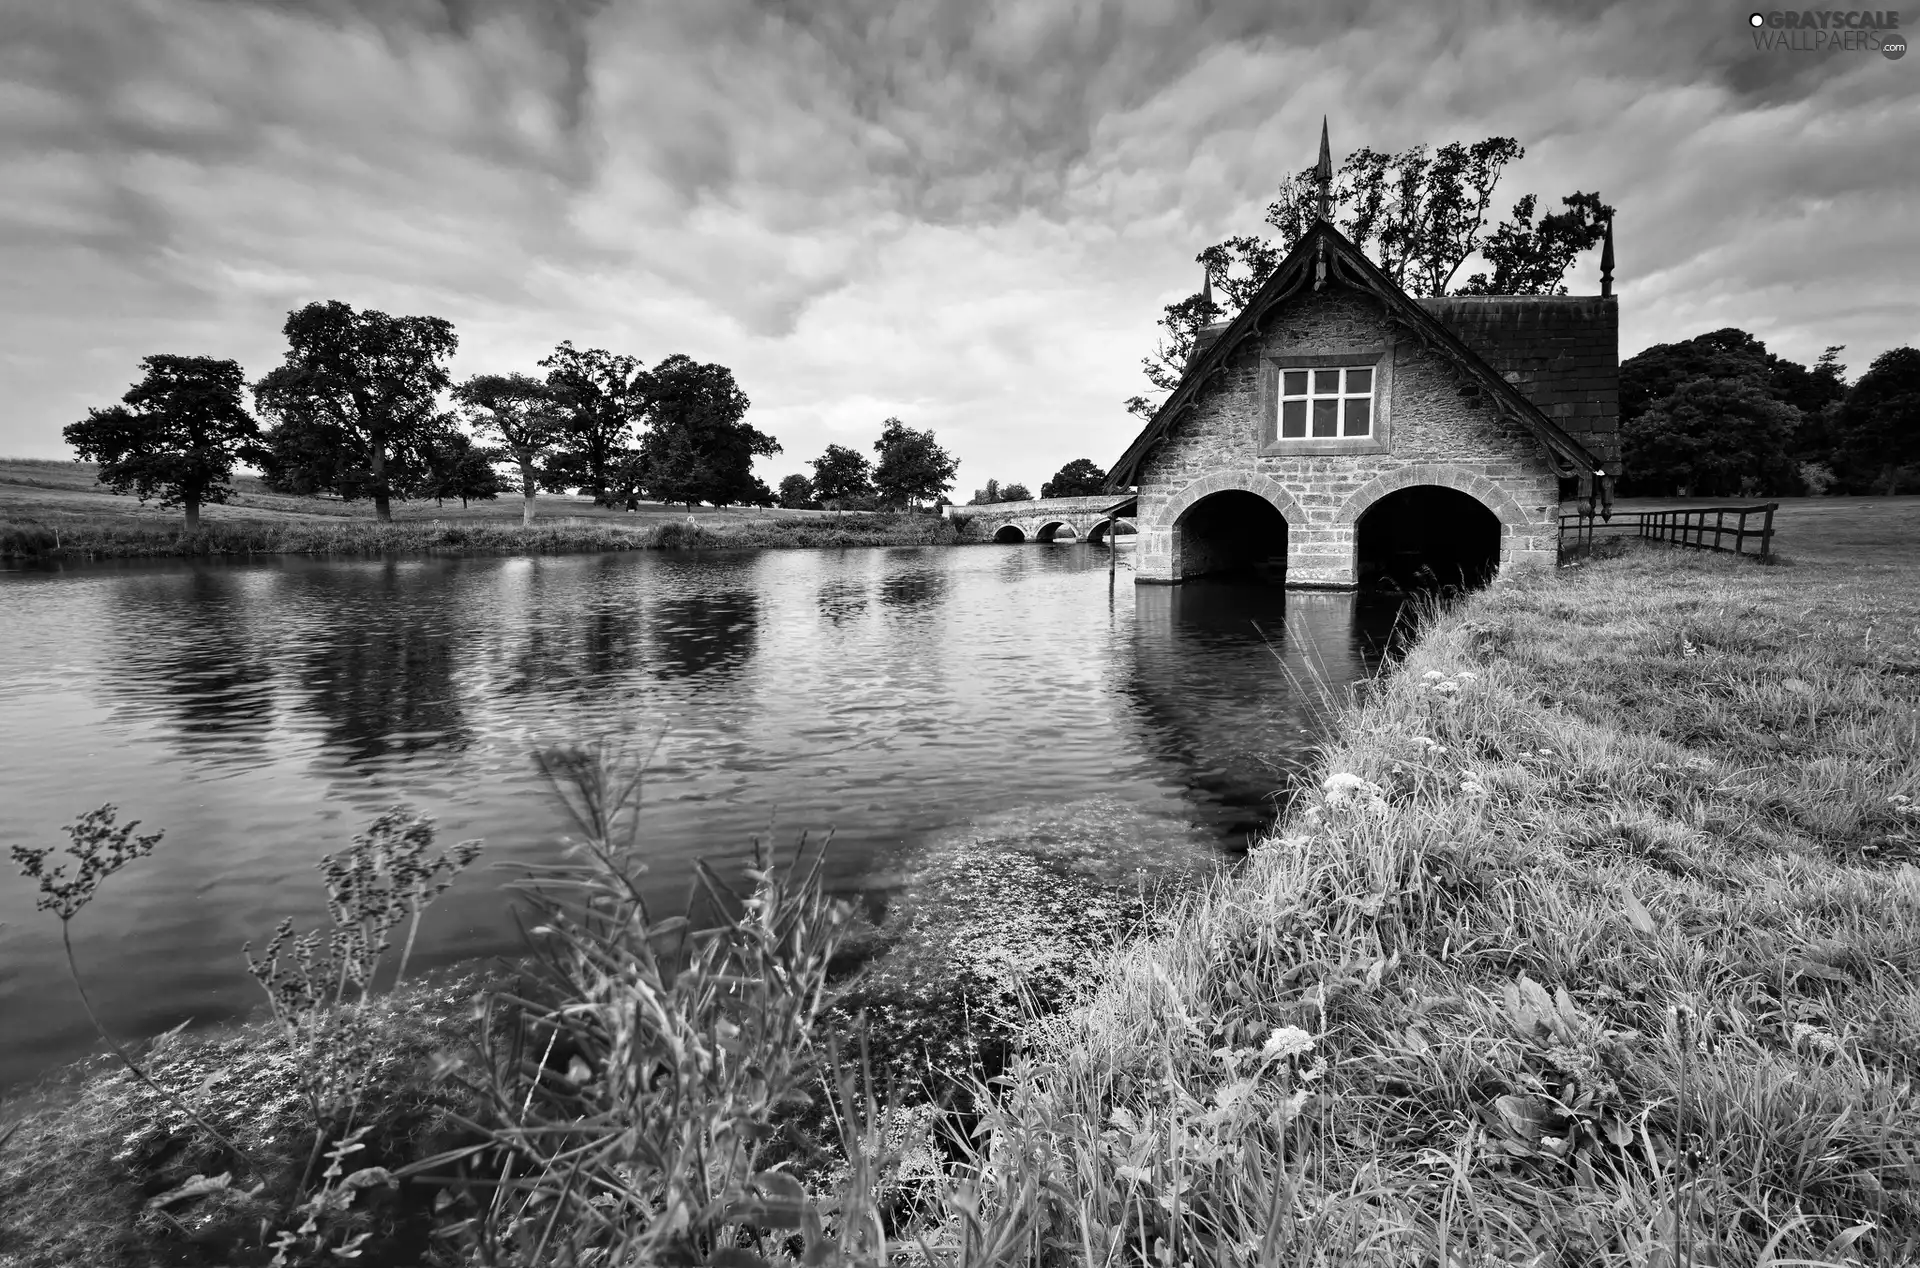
(263, 712)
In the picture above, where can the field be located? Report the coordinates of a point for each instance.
(54, 510)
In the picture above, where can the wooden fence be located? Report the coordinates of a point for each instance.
(1702, 527)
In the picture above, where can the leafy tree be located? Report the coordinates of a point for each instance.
(517, 410)
(699, 446)
(354, 400)
(758, 494)
(841, 475)
(1016, 493)
(456, 467)
(796, 492)
(1710, 437)
(600, 397)
(913, 468)
(1652, 377)
(1420, 215)
(177, 432)
(987, 496)
(1878, 424)
(1081, 478)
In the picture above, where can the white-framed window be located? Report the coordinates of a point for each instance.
(1325, 404)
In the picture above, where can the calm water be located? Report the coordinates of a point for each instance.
(262, 713)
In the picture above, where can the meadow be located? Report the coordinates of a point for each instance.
(1592, 936)
(53, 510)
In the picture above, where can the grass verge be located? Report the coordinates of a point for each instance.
(1599, 940)
(362, 537)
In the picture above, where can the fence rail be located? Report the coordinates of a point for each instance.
(1723, 528)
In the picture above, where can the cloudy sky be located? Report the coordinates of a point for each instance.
(966, 214)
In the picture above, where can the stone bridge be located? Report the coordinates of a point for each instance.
(1041, 519)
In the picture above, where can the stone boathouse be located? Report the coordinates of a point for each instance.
(1339, 431)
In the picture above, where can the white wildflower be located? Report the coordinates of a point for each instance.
(1473, 788)
(1286, 1042)
(1447, 688)
(1433, 675)
(1343, 786)
(1467, 675)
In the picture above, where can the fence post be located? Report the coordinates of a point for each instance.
(1766, 533)
(1719, 522)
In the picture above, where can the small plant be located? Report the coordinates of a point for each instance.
(384, 878)
(100, 846)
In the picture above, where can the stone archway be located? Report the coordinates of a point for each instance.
(1403, 494)
(1010, 533)
(1229, 521)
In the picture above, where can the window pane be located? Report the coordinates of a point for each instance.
(1293, 382)
(1360, 380)
(1359, 415)
(1327, 381)
(1326, 418)
(1293, 417)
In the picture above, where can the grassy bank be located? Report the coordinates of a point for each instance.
(53, 511)
(1601, 933)
(364, 537)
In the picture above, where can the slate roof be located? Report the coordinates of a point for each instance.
(1561, 351)
(1324, 256)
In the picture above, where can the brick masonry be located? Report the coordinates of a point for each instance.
(1436, 428)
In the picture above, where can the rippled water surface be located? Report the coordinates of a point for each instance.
(261, 713)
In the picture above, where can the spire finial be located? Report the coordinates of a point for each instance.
(1606, 260)
(1323, 173)
(1206, 290)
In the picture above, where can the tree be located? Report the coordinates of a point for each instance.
(1420, 216)
(841, 475)
(796, 492)
(1650, 379)
(1710, 435)
(913, 468)
(1878, 424)
(517, 410)
(456, 467)
(1081, 478)
(1016, 492)
(177, 432)
(699, 446)
(599, 397)
(987, 496)
(354, 399)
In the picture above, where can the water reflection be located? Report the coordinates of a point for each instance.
(262, 713)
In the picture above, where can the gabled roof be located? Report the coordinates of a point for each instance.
(1561, 351)
(1324, 255)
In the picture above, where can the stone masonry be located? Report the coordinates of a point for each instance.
(1433, 426)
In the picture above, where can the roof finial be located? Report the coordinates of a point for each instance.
(1206, 293)
(1606, 260)
(1323, 173)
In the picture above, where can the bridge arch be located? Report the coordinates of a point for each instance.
(1050, 529)
(1431, 523)
(1230, 521)
(1009, 533)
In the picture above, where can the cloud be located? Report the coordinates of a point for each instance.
(966, 214)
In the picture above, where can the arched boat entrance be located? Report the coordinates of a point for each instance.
(1232, 533)
(1427, 536)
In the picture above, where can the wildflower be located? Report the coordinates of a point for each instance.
(1447, 688)
(1473, 788)
(1467, 675)
(1339, 788)
(1286, 1042)
(1433, 675)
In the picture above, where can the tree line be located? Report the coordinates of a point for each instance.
(1718, 415)
(363, 406)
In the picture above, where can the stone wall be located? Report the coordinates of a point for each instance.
(1433, 426)
(978, 523)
